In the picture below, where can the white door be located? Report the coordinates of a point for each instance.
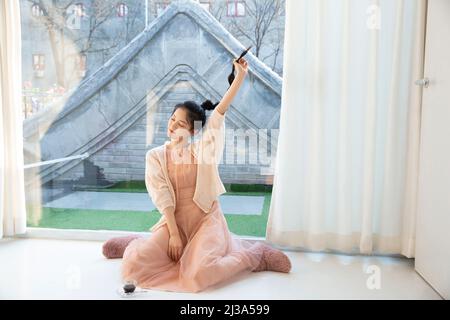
(433, 216)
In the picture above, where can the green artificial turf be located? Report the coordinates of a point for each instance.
(60, 218)
(139, 186)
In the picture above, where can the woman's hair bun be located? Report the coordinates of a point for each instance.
(208, 105)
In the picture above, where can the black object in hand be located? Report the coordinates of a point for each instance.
(231, 76)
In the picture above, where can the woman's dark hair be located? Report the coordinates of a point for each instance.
(196, 112)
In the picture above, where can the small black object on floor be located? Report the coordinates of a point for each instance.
(129, 288)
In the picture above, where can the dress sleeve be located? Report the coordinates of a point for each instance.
(209, 147)
(156, 183)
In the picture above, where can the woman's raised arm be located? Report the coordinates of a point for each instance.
(210, 147)
(242, 70)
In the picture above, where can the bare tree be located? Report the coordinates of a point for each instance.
(101, 12)
(260, 27)
(276, 49)
(132, 21)
(55, 15)
(218, 12)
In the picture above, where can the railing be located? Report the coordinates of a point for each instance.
(43, 163)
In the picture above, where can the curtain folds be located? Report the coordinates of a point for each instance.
(347, 160)
(12, 190)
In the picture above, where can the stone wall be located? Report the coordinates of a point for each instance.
(121, 110)
(124, 158)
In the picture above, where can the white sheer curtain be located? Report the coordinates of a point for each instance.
(347, 160)
(12, 194)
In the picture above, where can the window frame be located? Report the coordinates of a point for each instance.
(236, 11)
(80, 9)
(41, 61)
(164, 4)
(36, 7)
(121, 6)
(208, 2)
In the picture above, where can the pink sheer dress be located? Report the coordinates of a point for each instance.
(211, 252)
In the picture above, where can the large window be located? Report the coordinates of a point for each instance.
(93, 104)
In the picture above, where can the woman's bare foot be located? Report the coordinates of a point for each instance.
(115, 247)
(273, 260)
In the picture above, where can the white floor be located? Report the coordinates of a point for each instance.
(66, 269)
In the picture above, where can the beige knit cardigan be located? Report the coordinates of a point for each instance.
(207, 151)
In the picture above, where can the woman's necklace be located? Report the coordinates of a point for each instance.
(179, 150)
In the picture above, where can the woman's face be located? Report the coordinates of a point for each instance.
(178, 126)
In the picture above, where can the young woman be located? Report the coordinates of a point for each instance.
(191, 247)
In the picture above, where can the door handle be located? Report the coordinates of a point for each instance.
(425, 82)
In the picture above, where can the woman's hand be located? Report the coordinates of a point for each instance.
(175, 248)
(241, 66)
